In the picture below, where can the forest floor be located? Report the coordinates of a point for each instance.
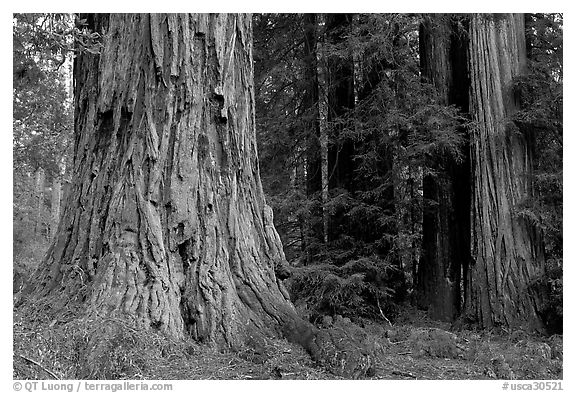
(414, 347)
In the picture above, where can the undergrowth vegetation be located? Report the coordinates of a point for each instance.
(414, 347)
(361, 288)
(354, 244)
(383, 139)
(74, 347)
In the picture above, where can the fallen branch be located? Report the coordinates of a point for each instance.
(39, 365)
(380, 309)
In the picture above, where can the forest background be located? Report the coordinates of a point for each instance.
(349, 204)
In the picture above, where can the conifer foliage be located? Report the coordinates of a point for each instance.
(290, 175)
(391, 94)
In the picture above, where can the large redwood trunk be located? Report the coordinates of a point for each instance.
(166, 223)
(507, 253)
(446, 223)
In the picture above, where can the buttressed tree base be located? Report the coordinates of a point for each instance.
(166, 224)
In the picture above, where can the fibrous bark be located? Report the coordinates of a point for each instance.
(167, 219)
(166, 223)
(507, 253)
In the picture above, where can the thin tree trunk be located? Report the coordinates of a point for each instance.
(166, 223)
(310, 104)
(323, 117)
(507, 250)
(312, 116)
(56, 197)
(39, 202)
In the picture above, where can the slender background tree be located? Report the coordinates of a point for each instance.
(230, 179)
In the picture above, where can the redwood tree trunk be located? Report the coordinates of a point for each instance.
(507, 253)
(166, 223)
(446, 224)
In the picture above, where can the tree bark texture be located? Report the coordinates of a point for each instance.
(446, 224)
(507, 252)
(166, 223)
(56, 197)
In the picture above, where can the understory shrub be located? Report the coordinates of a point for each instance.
(359, 288)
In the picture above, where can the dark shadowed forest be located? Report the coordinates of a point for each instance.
(288, 196)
